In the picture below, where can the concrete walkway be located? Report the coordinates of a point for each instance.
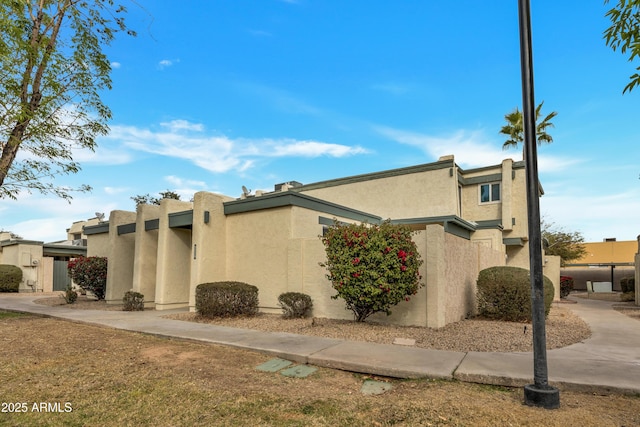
(609, 361)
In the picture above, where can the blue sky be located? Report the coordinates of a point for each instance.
(214, 95)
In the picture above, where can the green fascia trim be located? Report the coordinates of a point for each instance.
(289, 198)
(64, 250)
(489, 224)
(20, 242)
(127, 228)
(376, 175)
(514, 241)
(96, 229)
(495, 177)
(453, 224)
(182, 219)
(151, 224)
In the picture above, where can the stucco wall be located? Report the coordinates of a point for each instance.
(173, 269)
(209, 240)
(551, 269)
(512, 208)
(120, 257)
(47, 274)
(257, 247)
(145, 254)
(28, 257)
(464, 261)
(98, 245)
(423, 194)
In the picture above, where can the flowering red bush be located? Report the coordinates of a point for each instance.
(372, 267)
(566, 286)
(90, 273)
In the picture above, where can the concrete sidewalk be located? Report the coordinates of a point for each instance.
(609, 361)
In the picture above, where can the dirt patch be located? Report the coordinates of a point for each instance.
(112, 378)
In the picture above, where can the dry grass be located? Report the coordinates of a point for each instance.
(118, 378)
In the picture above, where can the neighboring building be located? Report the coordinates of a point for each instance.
(466, 220)
(605, 262)
(44, 265)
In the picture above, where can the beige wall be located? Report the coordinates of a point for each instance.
(98, 245)
(47, 274)
(77, 228)
(173, 275)
(257, 250)
(209, 241)
(28, 256)
(422, 194)
(145, 254)
(551, 269)
(120, 257)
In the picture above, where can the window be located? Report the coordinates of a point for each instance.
(490, 192)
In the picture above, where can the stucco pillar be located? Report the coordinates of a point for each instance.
(209, 242)
(146, 252)
(120, 256)
(551, 269)
(173, 270)
(435, 277)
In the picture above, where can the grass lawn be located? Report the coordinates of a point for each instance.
(79, 375)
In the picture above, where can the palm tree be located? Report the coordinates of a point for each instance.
(514, 128)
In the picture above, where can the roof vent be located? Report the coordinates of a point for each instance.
(287, 185)
(610, 239)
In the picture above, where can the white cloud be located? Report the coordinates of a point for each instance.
(292, 148)
(164, 63)
(56, 215)
(115, 190)
(469, 148)
(116, 65)
(181, 182)
(219, 153)
(178, 125)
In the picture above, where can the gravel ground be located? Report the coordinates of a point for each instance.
(563, 328)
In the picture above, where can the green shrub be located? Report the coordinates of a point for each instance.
(566, 286)
(226, 299)
(90, 274)
(628, 284)
(70, 296)
(504, 293)
(295, 304)
(10, 278)
(372, 267)
(133, 301)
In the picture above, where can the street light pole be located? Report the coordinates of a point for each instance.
(540, 393)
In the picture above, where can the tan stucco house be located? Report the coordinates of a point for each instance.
(466, 220)
(44, 265)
